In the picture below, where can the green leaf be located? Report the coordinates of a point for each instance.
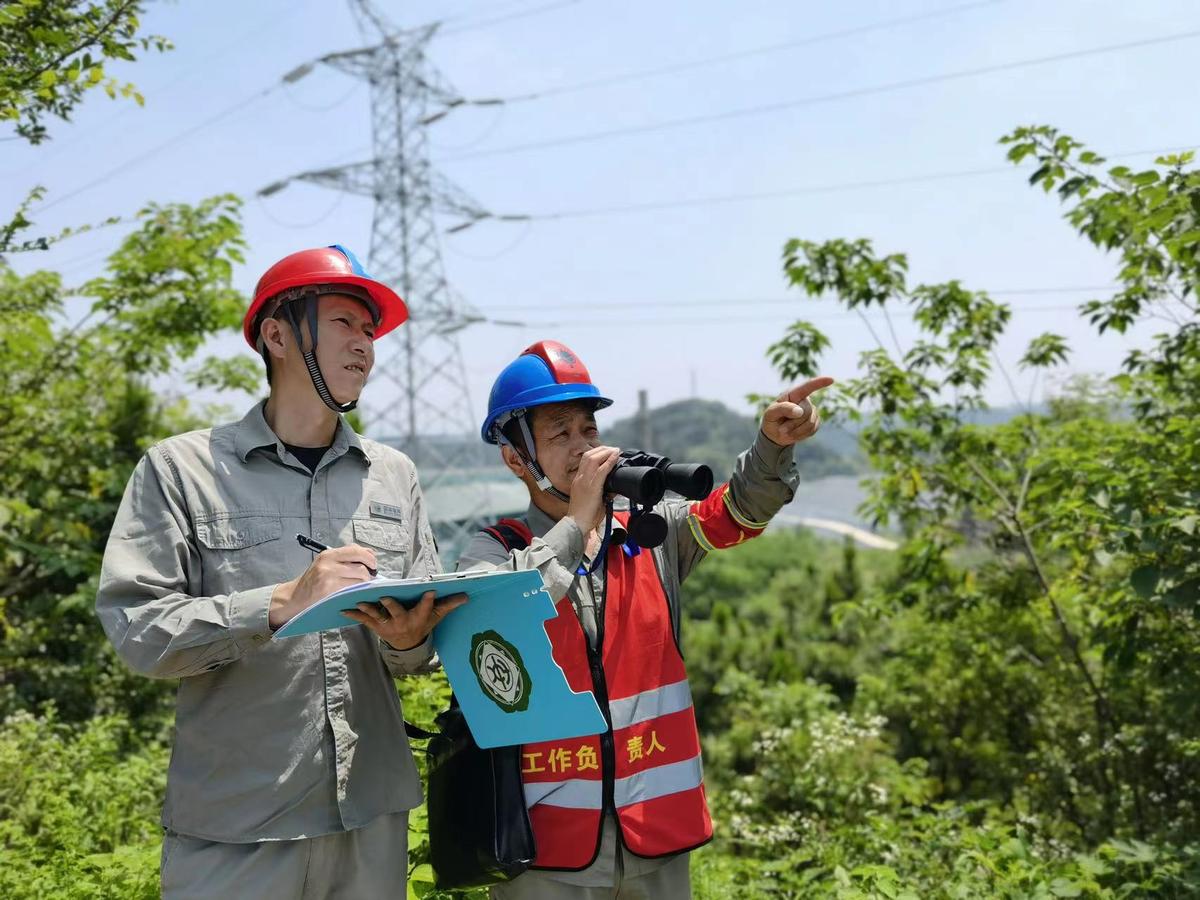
(1044, 351)
(1092, 865)
(1062, 887)
(1145, 580)
(1187, 524)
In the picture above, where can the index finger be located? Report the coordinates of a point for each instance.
(429, 598)
(600, 457)
(607, 465)
(803, 391)
(449, 602)
(353, 553)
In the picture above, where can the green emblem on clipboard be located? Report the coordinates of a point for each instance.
(501, 672)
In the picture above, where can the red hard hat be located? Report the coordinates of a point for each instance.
(329, 266)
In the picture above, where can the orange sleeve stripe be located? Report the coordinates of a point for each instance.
(717, 525)
(740, 517)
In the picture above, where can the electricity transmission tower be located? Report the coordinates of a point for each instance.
(426, 403)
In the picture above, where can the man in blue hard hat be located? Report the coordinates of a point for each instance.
(618, 811)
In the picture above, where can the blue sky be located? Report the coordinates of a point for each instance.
(654, 299)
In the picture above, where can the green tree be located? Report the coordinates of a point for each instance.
(76, 370)
(82, 744)
(1047, 596)
(52, 52)
(79, 411)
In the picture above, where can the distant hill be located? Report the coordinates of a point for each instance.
(706, 431)
(703, 431)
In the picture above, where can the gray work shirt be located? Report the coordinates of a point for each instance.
(764, 479)
(274, 740)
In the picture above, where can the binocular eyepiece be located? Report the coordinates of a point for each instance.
(644, 478)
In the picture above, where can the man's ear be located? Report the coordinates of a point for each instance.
(274, 338)
(513, 462)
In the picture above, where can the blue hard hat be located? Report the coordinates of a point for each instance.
(546, 372)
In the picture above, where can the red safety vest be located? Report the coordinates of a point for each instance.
(646, 767)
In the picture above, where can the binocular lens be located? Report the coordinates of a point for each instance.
(647, 529)
(692, 480)
(644, 485)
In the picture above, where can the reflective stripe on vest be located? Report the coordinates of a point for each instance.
(575, 793)
(650, 704)
(584, 793)
(656, 773)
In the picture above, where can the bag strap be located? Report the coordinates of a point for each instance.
(417, 732)
(513, 534)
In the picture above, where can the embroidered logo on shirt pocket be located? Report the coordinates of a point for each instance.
(238, 532)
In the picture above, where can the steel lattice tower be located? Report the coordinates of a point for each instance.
(422, 360)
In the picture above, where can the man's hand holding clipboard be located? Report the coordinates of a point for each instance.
(336, 568)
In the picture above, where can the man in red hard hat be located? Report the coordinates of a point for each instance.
(290, 774)
(616, 814)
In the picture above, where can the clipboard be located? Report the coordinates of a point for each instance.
(494, 649)
(326, 613)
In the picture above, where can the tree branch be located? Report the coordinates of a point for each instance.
(90, 40)
(1070, 639)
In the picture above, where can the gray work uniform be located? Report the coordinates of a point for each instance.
(274, 740)
(764, 480)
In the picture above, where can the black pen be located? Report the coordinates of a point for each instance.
(317, 547)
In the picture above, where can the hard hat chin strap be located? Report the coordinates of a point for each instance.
(530, 458)
(309, 298)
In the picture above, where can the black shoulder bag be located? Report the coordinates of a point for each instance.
(479, 830)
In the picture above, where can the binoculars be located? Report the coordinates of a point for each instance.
(644, 478)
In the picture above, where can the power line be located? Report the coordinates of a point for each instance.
(793, 301)
(299, 226)
(292, 76)
(761, 195)
(483, 135)
(471, 13)
(674, 68)
(717, 199)
(390, 32)
(322, 107)
(77, 262)
(888, 87)
(228, 111)
(523, 14)
(227, 46)
(625, 77)
(188, 132)
(625, 322)
(834, 188)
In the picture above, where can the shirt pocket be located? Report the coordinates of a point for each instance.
(389, 539)
(239, 551)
